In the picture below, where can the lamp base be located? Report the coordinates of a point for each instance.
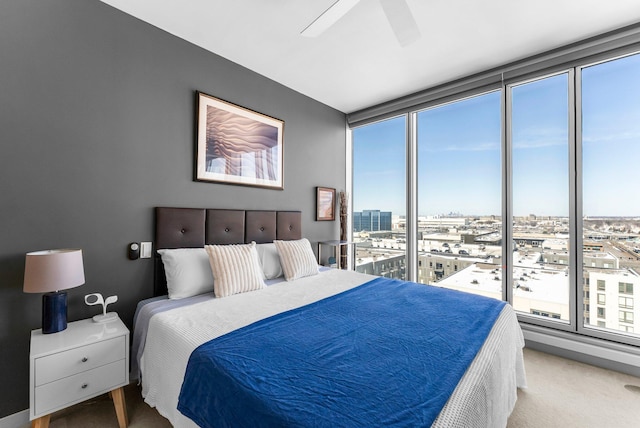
(109, 316)
(54, 312)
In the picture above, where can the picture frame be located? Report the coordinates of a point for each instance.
(325, 204)
(236, 145)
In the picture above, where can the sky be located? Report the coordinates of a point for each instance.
(459, 150)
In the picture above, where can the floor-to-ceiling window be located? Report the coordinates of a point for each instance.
(379, 197)
(526, 193)
(610, 274)
(540, 123)
(459, 195)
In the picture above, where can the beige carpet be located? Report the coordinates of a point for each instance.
(561, 393)
(565, 393)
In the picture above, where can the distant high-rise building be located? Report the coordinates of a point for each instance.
(371, 220)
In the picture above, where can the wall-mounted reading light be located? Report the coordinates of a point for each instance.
(134, 251)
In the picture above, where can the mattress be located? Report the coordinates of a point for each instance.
(485, 395)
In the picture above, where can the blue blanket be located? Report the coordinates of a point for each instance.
(386, 353)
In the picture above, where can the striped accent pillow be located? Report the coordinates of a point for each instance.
(236, 268)
(297, 258)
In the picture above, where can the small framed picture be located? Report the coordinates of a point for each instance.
(325, 204)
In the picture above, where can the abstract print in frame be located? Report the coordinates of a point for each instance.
(325, 204)
(236, 145)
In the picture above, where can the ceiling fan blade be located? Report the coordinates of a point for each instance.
(329, 17)
(401, 20)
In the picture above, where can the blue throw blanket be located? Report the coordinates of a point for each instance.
(386, 353)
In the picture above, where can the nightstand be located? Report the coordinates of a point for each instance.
(341, 262)
(83, 361)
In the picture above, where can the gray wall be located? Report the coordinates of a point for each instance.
(97, 128)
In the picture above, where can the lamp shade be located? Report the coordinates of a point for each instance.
(53, 270)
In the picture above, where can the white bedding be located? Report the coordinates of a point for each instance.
(484, 397)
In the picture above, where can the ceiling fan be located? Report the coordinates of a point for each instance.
(397, 11)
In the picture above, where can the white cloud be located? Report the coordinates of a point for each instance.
(534, 138)
(602, 135)
(463, 147)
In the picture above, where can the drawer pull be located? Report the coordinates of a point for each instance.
(85, 359)
(84, 385)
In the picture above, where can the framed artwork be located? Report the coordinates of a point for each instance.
(236, 145)
(325, 204)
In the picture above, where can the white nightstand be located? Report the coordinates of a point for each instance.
(83, 361)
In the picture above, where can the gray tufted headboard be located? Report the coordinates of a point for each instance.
(197, 227)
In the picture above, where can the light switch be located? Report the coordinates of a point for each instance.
(145, 250)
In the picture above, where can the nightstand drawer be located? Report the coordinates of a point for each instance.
(79, 387)
(66, 363)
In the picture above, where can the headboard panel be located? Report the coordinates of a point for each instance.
(195, 227)
(261, 226)
(225, 227)
(180, 228)
(289, 225)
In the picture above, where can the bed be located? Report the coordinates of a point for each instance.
(274, 357)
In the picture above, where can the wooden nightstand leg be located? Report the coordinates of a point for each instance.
(42, 422)
(121, 407)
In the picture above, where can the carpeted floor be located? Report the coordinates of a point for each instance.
(561, 393)
(565, 393)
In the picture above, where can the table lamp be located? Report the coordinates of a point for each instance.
(49, 272)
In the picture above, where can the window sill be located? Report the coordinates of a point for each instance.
(598, 352)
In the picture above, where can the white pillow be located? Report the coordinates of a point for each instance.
(236, 268)
(269, 260)
(188, 272)
(297, 258)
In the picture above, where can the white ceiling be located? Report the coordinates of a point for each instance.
(358, 62)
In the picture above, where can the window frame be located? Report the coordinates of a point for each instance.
(625, 302)
(566, 325)
(613, 55)
(411, 266)
(413, 162)
(624, 287)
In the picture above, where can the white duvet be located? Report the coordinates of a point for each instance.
(484, 397)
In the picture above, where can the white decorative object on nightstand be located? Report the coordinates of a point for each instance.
(97, 299)
(83, 361)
